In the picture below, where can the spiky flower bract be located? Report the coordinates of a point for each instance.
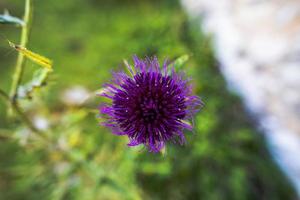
(151, 106)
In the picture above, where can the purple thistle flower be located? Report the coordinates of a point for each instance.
(151, 106)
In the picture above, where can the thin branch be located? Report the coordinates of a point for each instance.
(24, 118)
(28, 122)
(15, 106)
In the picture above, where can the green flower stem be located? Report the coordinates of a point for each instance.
(19, 69)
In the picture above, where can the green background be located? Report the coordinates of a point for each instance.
(224, 158)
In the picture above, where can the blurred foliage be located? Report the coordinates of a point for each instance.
(225, 158)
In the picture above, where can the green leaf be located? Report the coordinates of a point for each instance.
(179, 62)
(38, 59)
(38, 80)
(6, 18)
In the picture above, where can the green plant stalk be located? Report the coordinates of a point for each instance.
(19, 69)
(12, 99)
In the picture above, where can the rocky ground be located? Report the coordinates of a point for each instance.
(258, 45)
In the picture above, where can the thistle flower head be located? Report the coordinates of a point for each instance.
(152, 106)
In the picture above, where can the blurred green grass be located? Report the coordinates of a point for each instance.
(224, 159)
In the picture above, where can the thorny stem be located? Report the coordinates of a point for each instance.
(17, 77)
